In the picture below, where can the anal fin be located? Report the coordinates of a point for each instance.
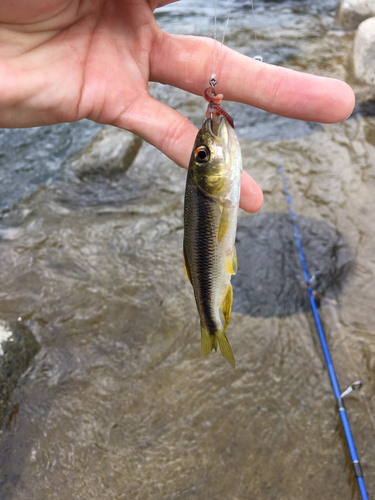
(226, 306)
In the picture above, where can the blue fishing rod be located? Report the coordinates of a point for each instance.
(357, 385)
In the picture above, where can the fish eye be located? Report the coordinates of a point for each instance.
(202, 154)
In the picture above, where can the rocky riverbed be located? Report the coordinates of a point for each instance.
(119, 402)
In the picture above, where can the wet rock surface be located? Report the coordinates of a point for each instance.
(109, 154)
(364, 50)
(270, 280)
(365, 95)
(18, 347)
(352, 12)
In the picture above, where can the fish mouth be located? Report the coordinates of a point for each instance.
(214, 127)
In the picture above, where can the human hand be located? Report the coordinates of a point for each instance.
(64, 60)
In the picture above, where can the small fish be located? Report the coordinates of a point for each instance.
(210, 221)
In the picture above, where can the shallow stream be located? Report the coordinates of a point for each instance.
(120, 404)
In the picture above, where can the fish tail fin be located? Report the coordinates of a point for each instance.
(209, 341)
(225, 347)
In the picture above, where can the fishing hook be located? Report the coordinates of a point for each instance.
(214, 109)
(213, 82)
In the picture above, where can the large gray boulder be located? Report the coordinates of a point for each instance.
(364, 52)
(110, 153)
(352, 12)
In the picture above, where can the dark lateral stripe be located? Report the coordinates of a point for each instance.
(204, 250)
(200, 249)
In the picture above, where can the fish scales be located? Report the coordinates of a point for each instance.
(210, 219)
(202, 251)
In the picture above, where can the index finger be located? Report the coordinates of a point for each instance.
(186, 62)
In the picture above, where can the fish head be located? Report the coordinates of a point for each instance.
(215, 164)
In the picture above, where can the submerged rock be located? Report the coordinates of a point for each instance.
(364, 51)
(352, 12)
(18, 347)
(110, 153)
(270, 280)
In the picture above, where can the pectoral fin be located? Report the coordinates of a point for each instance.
(225, 220)
(232, 262)
(226, 306)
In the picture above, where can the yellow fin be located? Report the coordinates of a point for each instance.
(225, 348)
(209, 342)
(226, 306)
(186, 269)
(232, 262)
(224, 224)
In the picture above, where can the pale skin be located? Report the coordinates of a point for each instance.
(64, 60)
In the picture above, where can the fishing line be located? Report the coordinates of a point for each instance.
(332, 374)
(216, 49)
(258, 57)
(226, 24)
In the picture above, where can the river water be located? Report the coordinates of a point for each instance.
(120, 403)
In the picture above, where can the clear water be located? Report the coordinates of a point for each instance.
(35, 156)
(120, 403)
